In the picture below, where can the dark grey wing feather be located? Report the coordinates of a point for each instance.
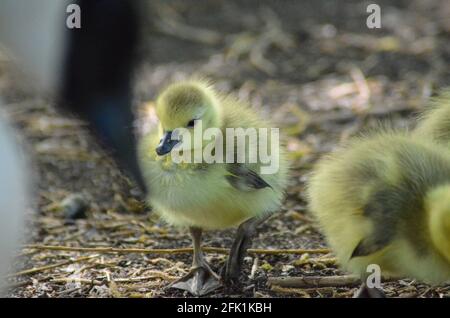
(369, 246)
(381, 209)
(245, 179)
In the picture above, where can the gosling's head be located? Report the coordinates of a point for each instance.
(438, 209)
(185, 105)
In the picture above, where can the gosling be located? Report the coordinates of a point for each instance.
(385, 200)
(208, 196)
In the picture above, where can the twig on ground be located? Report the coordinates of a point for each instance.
(218, 250)
(46, 267)
(153, 275)
(77, 280)
(283, 290)
(27, 282)
(314, 281)
(326, 261)
(255, 267)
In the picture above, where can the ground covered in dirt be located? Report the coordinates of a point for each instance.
(313, 67)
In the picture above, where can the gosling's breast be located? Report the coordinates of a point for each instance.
(180, 190)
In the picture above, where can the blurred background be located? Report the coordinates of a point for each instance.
(313, 67)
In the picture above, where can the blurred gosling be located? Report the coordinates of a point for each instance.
(385, 200)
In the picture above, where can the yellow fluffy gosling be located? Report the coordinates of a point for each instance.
(385, 200)
(208, 196)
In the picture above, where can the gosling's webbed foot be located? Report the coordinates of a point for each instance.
(199, 281)
(366, 292)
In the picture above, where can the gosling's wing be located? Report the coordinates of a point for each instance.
(381, 210)
(243, 178)
(370, 245)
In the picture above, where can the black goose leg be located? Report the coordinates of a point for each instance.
(243, 240)
(366, 292)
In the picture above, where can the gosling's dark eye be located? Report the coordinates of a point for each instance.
(191, 123)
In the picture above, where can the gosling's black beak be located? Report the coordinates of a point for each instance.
(166, 144)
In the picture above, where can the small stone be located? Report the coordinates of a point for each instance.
(74, 207)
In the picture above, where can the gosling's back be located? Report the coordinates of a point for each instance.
(434, 123)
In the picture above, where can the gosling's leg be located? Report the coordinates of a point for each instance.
(201, 280)
(243, 240)
(366, 292)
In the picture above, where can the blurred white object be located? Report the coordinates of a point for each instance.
(33, 32)
(14, 195)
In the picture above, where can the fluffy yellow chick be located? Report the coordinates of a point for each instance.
(435, 121)
(214, 195)
(385, 200)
